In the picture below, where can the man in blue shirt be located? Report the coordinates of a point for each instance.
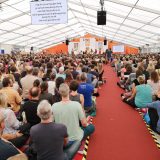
(87, 90)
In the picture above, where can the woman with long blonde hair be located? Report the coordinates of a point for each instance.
(151, 67)
(12, 125)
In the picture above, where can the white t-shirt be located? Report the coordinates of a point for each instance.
(10, 121)
(51, 87)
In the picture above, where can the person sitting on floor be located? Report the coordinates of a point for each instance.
(12, 126)
(125, 76)
(86, 90)
(74, 95)
(48, 138)
(30, 107)
(52, 84)
(57, 97)
(18, 157)
(36, 83)
(44, 93)
(70, 113)
(135, 83)
(142, 94)
(13, 97)
(7, 149)
(154, 115)
(61, 73)
(27, 82)
(154, 82)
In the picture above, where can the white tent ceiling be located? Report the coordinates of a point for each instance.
(134, 22)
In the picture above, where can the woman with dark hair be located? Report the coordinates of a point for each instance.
(16, 75)
(44, 93)
(154, 83)
(57, 96)
(133, 85)
(157, 67)
(36, 83)
(125, 76)
(69, 76)
(48, 72)
(74, 95)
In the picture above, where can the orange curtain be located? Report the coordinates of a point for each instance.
(60, 48)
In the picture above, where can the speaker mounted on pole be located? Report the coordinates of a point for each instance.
(105, 42)
(101, 17)
(67, 42)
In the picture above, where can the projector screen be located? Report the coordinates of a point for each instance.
(49, 12)
(118, 49)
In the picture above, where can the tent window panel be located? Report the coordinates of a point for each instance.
(8, 26)
(116, 19)
(133, 23)
(10, 35)
(142, 15)
(23, 31)
(151, 28)
(117, 8)
(157, 22)
(152, 4)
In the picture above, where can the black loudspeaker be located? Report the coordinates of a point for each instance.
(31, 48)
(101, 17)
(67, 42)
(105, 42)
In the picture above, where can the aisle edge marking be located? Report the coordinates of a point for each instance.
(86, 146)
(150, 131)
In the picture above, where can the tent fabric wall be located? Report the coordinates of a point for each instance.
(60, 48)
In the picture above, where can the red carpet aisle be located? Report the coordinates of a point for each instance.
(120, 131)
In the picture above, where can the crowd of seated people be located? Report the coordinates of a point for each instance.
(46, 102)
(139, 77)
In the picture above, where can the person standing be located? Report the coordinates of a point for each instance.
(109, 55)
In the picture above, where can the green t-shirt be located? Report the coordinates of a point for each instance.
(143, 95)
(69, 114)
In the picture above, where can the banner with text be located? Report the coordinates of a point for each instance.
(49, 12)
